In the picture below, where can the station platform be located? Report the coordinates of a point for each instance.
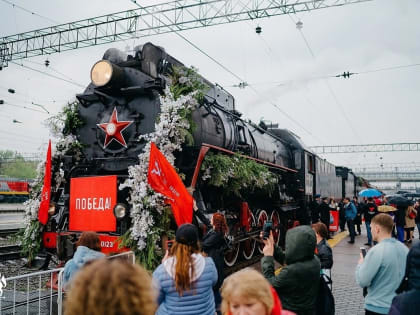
(348, 295)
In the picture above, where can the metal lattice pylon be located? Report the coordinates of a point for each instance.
(360, 148)
(151, 20)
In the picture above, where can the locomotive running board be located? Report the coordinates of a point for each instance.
(206, 147)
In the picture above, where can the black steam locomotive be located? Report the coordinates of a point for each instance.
(122, 103)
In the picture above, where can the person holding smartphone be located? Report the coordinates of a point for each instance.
(382, 270)
(214, 245)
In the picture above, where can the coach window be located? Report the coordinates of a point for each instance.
(311, 163)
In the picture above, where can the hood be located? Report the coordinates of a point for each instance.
(84, 254)
(198, 261)
(413, 266)
(300, 244)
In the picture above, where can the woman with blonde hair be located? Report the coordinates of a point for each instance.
(110, 287)
(248, 292)
(185, 279)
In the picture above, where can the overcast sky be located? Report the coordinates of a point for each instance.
(374, 107)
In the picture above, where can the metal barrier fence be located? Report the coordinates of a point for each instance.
(30, 293)
(40, 292)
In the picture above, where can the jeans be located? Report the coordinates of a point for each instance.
(400, 233)
(350, 225)
(368, 231)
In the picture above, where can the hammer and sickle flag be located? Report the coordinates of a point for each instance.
(163, 178)
(46, 190)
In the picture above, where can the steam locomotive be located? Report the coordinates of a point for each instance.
(122, 103)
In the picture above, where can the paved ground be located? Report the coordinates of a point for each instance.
(348, 295)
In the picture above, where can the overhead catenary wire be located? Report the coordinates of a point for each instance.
(53, 69)
(24, 107)
(29, 11)
(334, 96)
(48, 74)
(237, 77)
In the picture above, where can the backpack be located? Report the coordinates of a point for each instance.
(325, 304)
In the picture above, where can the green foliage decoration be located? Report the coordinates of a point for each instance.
(236, 174)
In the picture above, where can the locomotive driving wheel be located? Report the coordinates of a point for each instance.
(262, 218)
(248, 246)
(231, 254)
(275, 218)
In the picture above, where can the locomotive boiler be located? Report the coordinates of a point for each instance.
(121, 104)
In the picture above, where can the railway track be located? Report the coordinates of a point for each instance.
(10, 252)
(8, 232)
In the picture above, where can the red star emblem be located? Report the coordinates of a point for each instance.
(113, 129)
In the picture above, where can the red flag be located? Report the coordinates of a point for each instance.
(46, 190)
(163, 178)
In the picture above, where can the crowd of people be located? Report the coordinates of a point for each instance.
(352, 213)
(190, 279)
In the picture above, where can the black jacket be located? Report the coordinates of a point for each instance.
(298, 282)
(325, 254)
(324, 211)
(408, 303)
(370, 209)
(314, 208)
(418, 215)
(358, 219)
(214, 245)
(400, 216)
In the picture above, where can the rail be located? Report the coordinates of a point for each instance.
(10, 252)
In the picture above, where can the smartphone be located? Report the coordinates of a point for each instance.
(169, 244)
(363, 250)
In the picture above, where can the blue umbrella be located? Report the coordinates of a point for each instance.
(370, 192)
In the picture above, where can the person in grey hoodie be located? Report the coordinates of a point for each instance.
(382, 270)
(88, 249)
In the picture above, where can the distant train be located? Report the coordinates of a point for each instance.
(13, 190)
(128, 88)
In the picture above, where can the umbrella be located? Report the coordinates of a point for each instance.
(370, 192)
(386, 208)
(400, 201)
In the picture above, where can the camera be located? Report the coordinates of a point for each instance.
(268, 226)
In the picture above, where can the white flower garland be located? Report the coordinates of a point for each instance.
(168, 137)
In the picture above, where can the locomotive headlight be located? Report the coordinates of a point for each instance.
(120, 210)
(104, 72)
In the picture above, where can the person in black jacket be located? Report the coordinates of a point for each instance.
(342, 216)
(400, 222)
(408, 301)
(369, 211)
(358, 220)
(314, 208)
(323, 250)
(214, 245)
(324, 211)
